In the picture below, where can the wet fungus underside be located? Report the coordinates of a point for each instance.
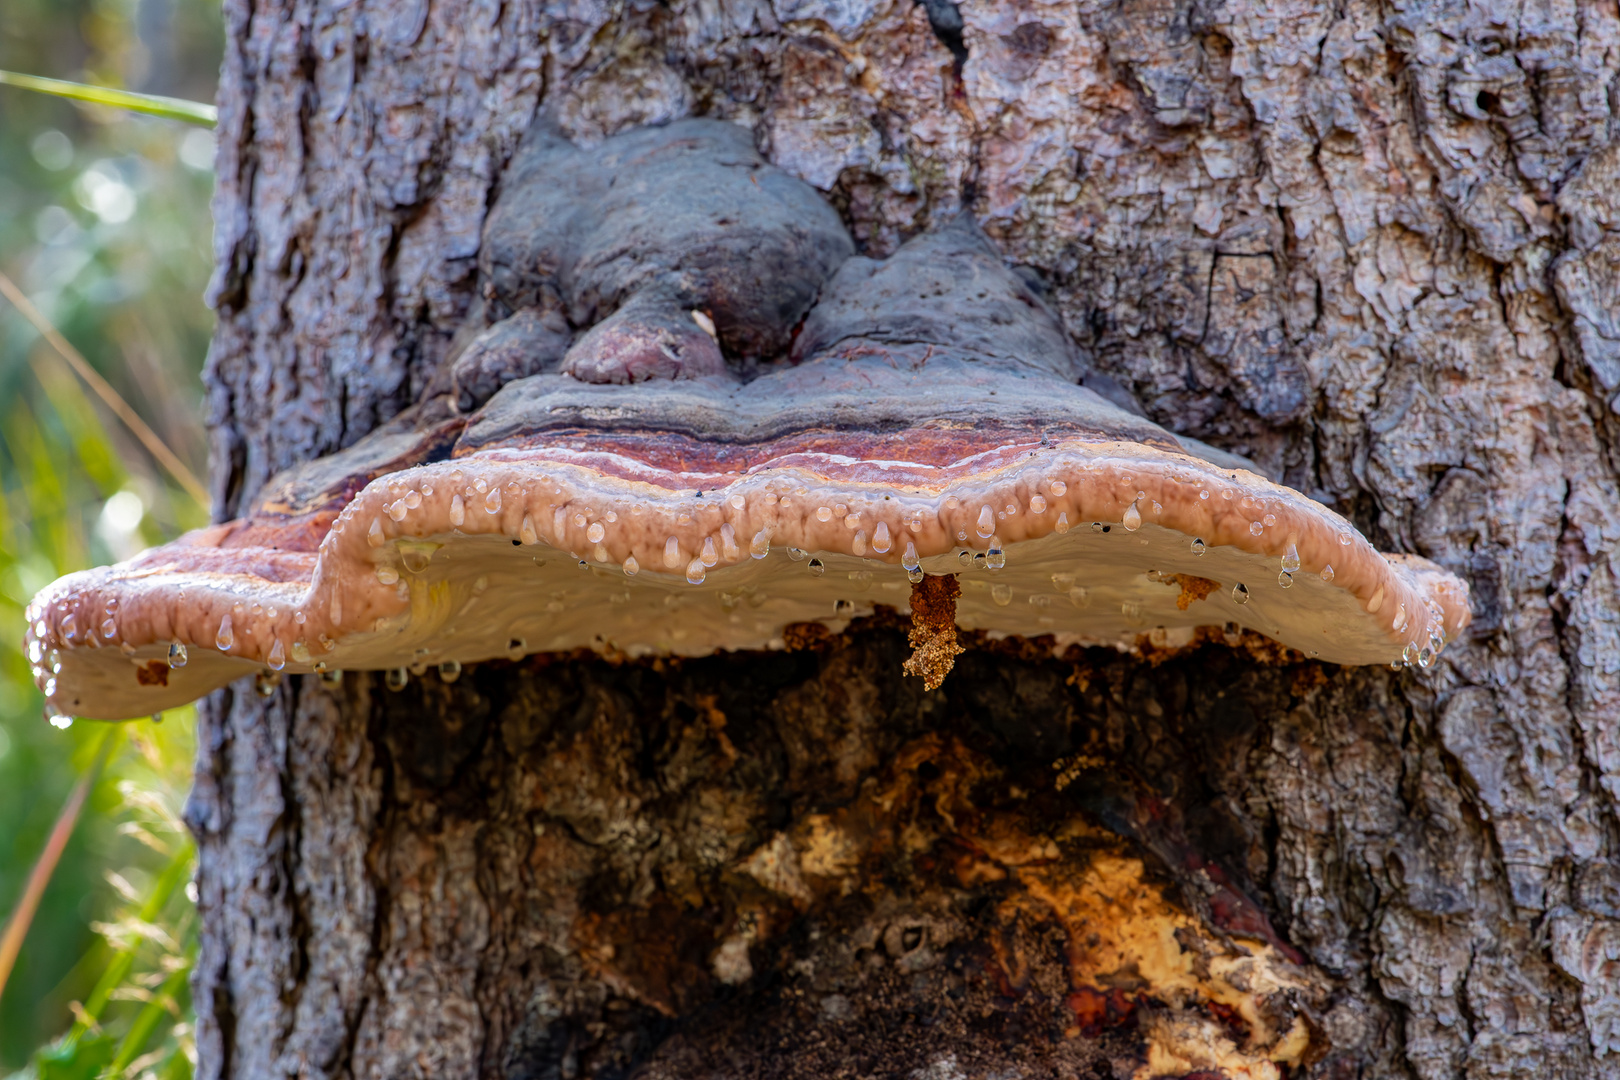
(687, 417)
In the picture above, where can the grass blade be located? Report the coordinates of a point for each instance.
(149, 438)
(40, 876)
(190, 112)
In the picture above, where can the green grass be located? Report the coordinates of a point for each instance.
(104, 226)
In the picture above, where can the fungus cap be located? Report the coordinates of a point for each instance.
(634, 493)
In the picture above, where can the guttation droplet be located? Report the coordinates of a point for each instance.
(1327, 572)
(760, 545)
(278, 656)
(458, 511)
(226, 637)
(492, 501)
(909, 560)
(1001, 594)
(416, 557)
(709, 556)
(397, 678)
(265, 683)
(995, 558)
(1062, 525)
(880, 538)
(449, 670)
(631, 567)
(795, 553)
(177, 655)
(515, 648)
(672, 553)
(817, 567)
(1132, 518)
(1290, 559)
(843, 608)
(596, 532)
(1240, 593)
(914, 574)
(696, 571)
(1198, 546)
(1285, 579)
(331, 677)
(987, 522)
(1037, 504)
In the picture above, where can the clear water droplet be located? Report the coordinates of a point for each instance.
(1290, 559)
(965, 557)
(265, 683)
(596, 532)
(760, 545)
(1132, 611)
(1425, 658)
(709, 556)
(300, 652)
(516, 648)
(1198, 546)
(397, 510)
(672, 553)
(458, 511)
(397, 678)
(986, 525)
(696, 571)
(995, 558)
(824, 513)
(1410, 653)
(728, 543)
(1327, 572)
(880, 538)
(817, 567)
(1345, 536)
(1204, 495)
(374, 535)
(413, 499)
(1269, 520)
(1240, 593)
(1062, 525)
(909, 559)
(1400, 619)
(795, 553)
(1001, 594)
(1040, 600)
(1037, 504)
(843, 608)
(857, 543)
(631, 566)
(737, 502)
(1080, 597)
(277, 659)
(1285, 579)
(526, 532)
(60, 721)
(1255, 528)
(492, 501)
(914, 574)
(1097, 527)
(387, 575)
(177, 654)
(449, 670)
(1059, 488)
(226, 637)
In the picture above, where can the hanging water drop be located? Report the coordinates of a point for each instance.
(631, 566)
(397, 509)
(1285, 579)
(387, 575)
(449, 670)
(1037, 504)
(413, 499)
(1425, 658)
(1080, 597)
(817, 567)
(737, 502)
(824, 513)
(1400, 619)
(1240, 593)
(795, 553)
(728, 543)
(226, 636)
(397, 678)
(1001, 594)
(1255, 528)
(880, 538)
(995, 558)
(987, 522)
(1290, 559)
(374, 535)
(177, 655)
(672, 553)
(909, 559)
(1198, 546)
(710, 556)
(857, 543)
(492, 501)
(516, 648)
(300, 652)
(1059, 488)
(696, 571)
(914, 575)
(277, 659)
(527, 533)
(843, 609)
(760, 545)
(1410, 653)
(596, 532)
(331, 677)
(60, 721)
(265, 683)
(1327, 572)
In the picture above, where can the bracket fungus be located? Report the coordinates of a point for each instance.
(686, 417)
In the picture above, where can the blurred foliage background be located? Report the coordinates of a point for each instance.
(104, 225)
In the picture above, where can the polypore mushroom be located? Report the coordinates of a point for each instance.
(629, 488)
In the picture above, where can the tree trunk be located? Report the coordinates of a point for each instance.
(1376, 248)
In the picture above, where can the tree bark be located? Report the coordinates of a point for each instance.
(1374, 247)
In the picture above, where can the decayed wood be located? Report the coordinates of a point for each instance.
(1376, 248)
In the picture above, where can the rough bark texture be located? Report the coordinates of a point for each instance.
(1374, 247)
